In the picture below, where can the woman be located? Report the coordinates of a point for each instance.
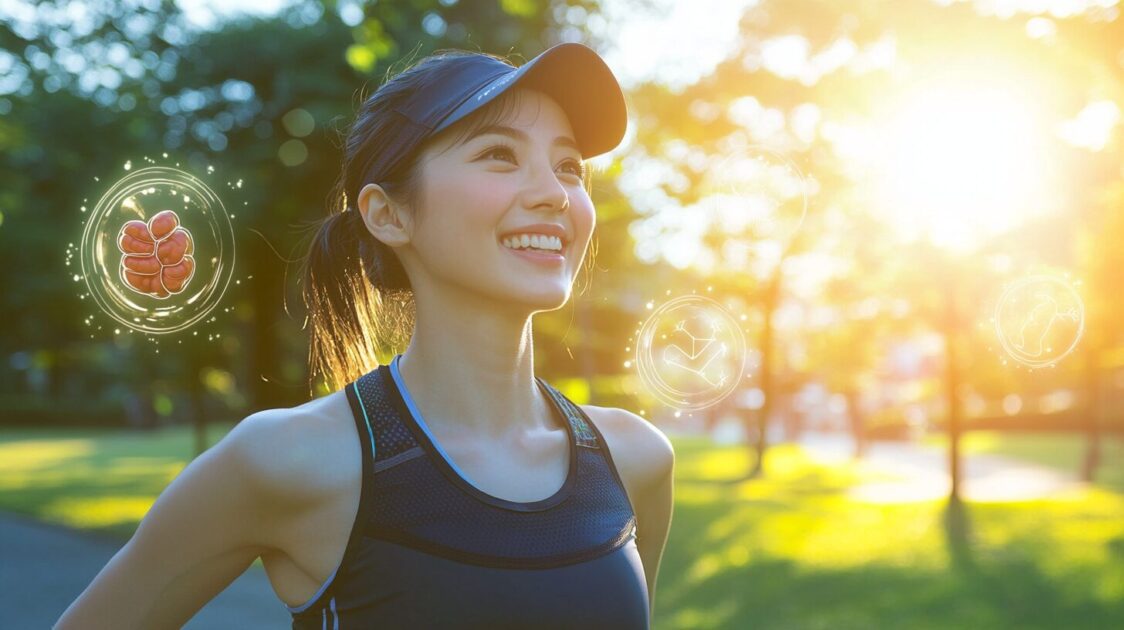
(451, 487)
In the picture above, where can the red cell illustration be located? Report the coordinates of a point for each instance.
(157, 257)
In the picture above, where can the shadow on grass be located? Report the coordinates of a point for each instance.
(791, 550)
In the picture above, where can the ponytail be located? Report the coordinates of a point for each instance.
(360, 304)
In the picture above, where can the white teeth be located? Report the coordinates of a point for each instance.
(537, 241)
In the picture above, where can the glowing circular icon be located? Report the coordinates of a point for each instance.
(1039, 320)
(690, 352)
(758, 191)
(157, 252)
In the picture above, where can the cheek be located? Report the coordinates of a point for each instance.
(460, 209)
(583, 215)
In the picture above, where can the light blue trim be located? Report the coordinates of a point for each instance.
(418, 417)
(366, 420)
(303, 607)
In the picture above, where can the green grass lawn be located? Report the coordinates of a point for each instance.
(96, 479)
(789, 550)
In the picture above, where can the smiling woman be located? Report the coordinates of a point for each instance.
(449, 486)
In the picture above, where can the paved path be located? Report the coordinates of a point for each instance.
(920, 473)
(34, 591)
(913, 471)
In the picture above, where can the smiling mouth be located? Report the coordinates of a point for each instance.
(514, 244)
(538, 256)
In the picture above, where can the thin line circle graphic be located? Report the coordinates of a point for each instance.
(731, 349)
(1027, 347)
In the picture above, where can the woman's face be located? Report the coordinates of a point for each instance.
(521, 172)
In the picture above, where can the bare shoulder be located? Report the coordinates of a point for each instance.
(300, 452)
(238, 501)
(642, 452)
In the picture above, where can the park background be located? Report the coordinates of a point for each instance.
(951, 148)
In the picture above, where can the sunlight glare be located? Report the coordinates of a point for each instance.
(959, 163)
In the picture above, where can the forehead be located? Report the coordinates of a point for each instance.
(517, 113)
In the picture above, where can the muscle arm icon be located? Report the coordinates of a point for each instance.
(157, 256)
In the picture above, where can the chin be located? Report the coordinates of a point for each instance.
(541, 299)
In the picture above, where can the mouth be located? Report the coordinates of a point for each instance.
(534, 254)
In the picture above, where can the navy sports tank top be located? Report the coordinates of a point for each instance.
(430, 550)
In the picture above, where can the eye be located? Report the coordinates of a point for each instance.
(578, 167)
(499, 149)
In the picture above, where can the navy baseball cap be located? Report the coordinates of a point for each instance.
(572, 74)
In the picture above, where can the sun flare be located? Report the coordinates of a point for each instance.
(960, 162)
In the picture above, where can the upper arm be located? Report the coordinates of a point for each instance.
(646, 460)
(206, 527)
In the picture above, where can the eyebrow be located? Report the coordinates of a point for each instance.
(517, 134)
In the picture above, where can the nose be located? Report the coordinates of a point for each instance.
(544, 191)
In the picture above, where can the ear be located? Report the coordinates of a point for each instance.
(383, 218)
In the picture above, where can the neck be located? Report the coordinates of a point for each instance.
(470, 366)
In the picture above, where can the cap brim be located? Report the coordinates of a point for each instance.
(579, 81)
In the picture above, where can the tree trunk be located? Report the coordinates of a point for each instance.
(855, 419)
(952, 383)
(759, 432)
(198, 401)
(265, 355)
(1092, 416)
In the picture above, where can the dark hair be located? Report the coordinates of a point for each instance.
(359, 299)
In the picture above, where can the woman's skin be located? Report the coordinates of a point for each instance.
(284, 484)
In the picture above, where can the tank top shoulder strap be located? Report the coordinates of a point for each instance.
(584, 433)
(395, 442)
